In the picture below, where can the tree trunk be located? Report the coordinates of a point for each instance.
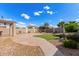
(64, 37)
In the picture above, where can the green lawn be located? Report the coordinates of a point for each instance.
(47, 36)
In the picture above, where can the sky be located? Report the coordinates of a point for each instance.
(37, 14)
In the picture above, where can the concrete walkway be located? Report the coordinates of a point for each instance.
(29, 39)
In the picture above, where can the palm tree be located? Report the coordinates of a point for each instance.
(62, 25)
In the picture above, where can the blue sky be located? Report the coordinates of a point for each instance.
(38, 13)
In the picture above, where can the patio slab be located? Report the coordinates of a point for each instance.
(9, 48)
(29, 39)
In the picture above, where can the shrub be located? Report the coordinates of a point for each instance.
(74, 37)
(70, 44)
(60, 36)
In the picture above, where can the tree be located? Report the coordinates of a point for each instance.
(41, 28)
(78, 27)
(71, 26)
(62, 25)
(44, 27)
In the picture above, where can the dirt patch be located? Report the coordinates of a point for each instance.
(65, 51)
(9, 47)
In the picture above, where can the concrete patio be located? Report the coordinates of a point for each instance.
(10, 48)
(27, 45)
(29, 39)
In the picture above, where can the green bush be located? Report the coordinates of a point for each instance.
(60, 36)
(70, 44)
(74, 37)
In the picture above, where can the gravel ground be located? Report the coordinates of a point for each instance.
(10, 48)
(65, 51)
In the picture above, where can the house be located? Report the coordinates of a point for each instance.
(21, 30)
(55, 30)
(32, 29)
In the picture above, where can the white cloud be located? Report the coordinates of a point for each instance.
(21, 24)
(61, 20)
(31, 24)
(36, 13)
(9, 19)
(55, 26)
(51, 25)
(26, 16)
(77, 20)
(40, 11)
(50, 12)
(46, 7)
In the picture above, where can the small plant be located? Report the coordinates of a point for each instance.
(70, 44)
